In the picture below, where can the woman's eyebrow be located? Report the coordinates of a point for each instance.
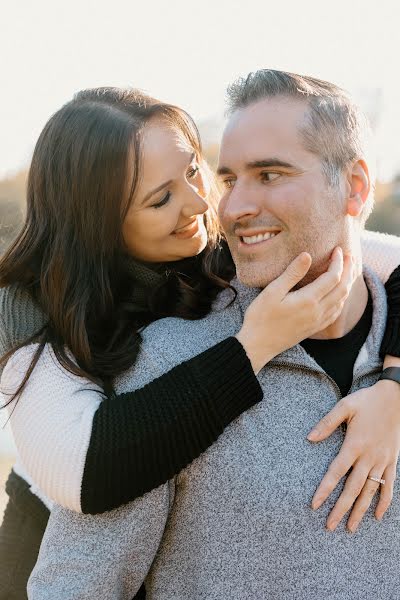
(157, 189)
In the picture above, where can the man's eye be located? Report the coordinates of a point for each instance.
(163, 201)
(269, 176)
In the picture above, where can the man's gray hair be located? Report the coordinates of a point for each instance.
(335, 128)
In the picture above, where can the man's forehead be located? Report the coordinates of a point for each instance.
(266, 125)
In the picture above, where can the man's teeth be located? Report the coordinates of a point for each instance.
(261, 237)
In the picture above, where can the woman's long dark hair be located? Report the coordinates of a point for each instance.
(70, 255)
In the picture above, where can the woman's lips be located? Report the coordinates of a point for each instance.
(188, 231)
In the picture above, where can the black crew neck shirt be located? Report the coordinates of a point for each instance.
(338, 356)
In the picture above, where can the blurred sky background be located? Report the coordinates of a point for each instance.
(186, 52)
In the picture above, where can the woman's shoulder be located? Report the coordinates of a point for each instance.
(381, 252)
(47, 367)
(17, 301)
(21, 317)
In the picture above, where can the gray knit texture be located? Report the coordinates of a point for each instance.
(237, 522)
(20, 318)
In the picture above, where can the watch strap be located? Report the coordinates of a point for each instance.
(392, 373)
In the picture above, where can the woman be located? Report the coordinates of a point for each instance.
(75, 266)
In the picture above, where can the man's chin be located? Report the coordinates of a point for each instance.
(253, 277)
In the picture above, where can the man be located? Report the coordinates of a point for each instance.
(237, 522)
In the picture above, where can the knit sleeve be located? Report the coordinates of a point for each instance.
(91, 455)
(381, 252)
(51, 422)
(20, 318)
(391, 341)
(141, 439)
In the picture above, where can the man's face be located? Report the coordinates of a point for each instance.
(276, 201)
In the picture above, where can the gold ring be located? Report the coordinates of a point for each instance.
(377, 479)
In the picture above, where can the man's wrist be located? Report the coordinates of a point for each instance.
(391, 361)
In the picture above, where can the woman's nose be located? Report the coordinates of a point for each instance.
(195, 203)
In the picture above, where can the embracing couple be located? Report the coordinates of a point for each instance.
(205, 447)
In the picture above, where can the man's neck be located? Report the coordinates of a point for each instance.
(352, 312)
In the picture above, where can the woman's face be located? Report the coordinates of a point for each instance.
(165, 221)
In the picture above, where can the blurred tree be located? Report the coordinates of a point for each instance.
(12, 206)
(386, 214)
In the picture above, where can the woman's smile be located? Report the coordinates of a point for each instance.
(187, 231)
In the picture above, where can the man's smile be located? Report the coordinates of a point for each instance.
(252, 238)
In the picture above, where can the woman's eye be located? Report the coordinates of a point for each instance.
(163, 200)
(228, 183)
(269, 176)
(193, 171)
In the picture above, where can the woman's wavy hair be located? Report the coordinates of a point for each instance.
(70, 255)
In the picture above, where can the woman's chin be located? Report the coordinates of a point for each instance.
(194, 245)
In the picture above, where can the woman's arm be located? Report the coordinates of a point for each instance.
(92, 456)
(372, 415)
(391, 341)
(381, 253)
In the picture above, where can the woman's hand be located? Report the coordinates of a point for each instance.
(279, 318)
(371, 448)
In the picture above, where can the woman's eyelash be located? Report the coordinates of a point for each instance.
(167, 196)
(163, 200)
(193, 171)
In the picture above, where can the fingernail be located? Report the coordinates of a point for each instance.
(316, 503)
(352, 527)
(331, 525)
(313, 435)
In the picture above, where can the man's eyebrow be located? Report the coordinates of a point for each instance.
(163, 185)
(258, 164)
(267, 163)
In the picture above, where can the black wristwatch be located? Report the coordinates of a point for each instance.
(392, 373)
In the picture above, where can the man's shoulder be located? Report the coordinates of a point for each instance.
(169, 342)
(180, 334)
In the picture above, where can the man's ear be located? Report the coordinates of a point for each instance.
(359, 188)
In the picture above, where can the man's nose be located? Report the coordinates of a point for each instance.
(241, 203)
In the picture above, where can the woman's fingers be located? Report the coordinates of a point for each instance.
(341, 291)
(386, 495)
(364, 500)
(340, 412)
(329, 280)
(354, 484)
(337, 469)
(291, 276)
